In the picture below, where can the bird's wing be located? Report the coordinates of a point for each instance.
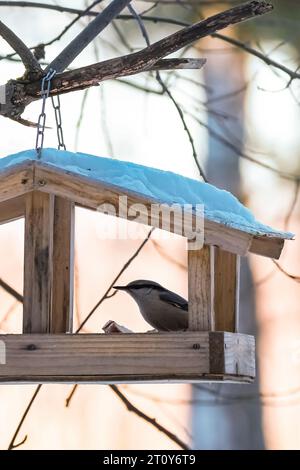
(174, 299)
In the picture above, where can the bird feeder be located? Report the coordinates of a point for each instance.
(45, 192)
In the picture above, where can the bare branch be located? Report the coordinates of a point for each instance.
(130, 407)
(267, 60)
(126, 265)
(12, 444)
(32, 66)
(293, 205)
(158, 19)
(10, 290)
(85, 37)
(294, 277)
(145, 59)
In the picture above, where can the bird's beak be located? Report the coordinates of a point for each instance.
(120, 287)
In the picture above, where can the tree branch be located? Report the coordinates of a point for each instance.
(145, 59)
(12, 444)
(10, 290)
(31, 65)
(130, 407)
(85, 37)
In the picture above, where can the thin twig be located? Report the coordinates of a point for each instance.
(294, 277)
(126, 265)
(146, 58)
(10, 290)
(169, 94)
(12, 444)
(130, 407)
(293, 205)
(104, 297)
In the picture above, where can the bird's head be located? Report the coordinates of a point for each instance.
(140, 288)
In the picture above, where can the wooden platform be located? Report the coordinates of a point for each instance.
(127, 358)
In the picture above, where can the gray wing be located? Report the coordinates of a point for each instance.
(174, 299)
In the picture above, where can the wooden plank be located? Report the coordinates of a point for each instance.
(201, 289)
(16, 180)
(38, 262)
(12, 209)
(239, 354)
(93, 194)
(270, 247)
(63, 266)
(226, 298)
(135, 357)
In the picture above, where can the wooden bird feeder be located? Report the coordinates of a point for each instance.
(45, 193)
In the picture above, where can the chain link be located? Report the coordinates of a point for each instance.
(45, 92)
(58, 120)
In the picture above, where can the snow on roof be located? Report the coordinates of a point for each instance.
(163, 186)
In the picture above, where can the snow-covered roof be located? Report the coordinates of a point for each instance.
(162, 186)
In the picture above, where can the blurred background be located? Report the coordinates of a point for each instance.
(243, 117)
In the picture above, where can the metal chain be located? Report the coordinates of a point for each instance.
(58, 120)
(45, 92)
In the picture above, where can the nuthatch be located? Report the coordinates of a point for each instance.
(161, 308)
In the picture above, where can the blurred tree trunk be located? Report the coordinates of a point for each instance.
(235, 425)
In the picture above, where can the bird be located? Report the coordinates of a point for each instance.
(161, 308)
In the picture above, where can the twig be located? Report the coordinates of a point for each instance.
(145, 59)
(130, 407)
(10, 290)
(12, 444)
(283, 271)
(31, 65)
(267, 60)
(293, 205)
(128, 262)
(169, 94)
(66, 57)
(106, 295)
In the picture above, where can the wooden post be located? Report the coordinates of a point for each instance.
(39, 210)
(227, 272)
(201, 289)
(63, 266)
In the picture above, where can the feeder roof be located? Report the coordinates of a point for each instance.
(228, 223)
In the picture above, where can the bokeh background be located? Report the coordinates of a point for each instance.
(242, 114)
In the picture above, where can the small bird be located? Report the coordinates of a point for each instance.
(161, 308)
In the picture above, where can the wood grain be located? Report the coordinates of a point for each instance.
(63, 266)
(144, 59)
(135, 357)
(93, 194)
(16, 180)
(201, 289)
(226, 298)
(38, 262)
(12, 209)
(270, 247)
